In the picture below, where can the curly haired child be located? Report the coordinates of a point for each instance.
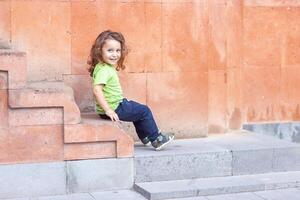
(106, 58)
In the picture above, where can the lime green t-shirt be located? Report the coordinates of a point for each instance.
(107, 75)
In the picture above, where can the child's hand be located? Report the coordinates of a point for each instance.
(113, 116)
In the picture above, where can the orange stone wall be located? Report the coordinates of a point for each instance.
(201, 65)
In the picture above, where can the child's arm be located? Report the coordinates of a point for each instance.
(97, 90)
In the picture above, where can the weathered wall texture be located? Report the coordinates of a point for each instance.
(201, 65)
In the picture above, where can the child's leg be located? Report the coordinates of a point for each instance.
(141, 116)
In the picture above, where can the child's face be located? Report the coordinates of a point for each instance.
(111, 52)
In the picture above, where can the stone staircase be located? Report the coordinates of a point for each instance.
(219, 164)
(49, 148)
(52, 103)
(41, 123)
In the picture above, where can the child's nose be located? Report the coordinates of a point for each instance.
(115, 53)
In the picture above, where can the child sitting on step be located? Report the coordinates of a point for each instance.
(106, 58)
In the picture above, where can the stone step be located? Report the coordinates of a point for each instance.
(96, 138)
(46, 95)
(237, 153)
(218, 185)
(14, 64)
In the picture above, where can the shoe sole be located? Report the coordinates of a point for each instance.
(159, 148)
(147, 144)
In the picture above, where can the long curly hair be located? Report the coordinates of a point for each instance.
(95, 56)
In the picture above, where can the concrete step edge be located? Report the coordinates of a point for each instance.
(217, 185)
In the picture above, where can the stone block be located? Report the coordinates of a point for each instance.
(234, 34)
(266, 128)
(217, 185)
(83, 93)
(5, 24)
(101, 174)
(153, 37)
(295, 136)
(292, 36)
(3, 80)
(217, 121)
(262, 38)
(174, 167)
(271, 3)
(286, 131)
(190, 53)
(35, 116)
(80, 196)
(55, 95)
(90, 133)
(217, 48)
(282, 162)
(235, 111)
(3, 109)
(252, 161)
(120, 194)
(94, 133)
(31, 144)
(29, 180)
(292, 193)
(239, 196)
(261, 93)
(134, 86)
(90, 150)
(15, 64)
(98, 13)
(289, 95)
(186, 105)
(48, 42)
(293, 47)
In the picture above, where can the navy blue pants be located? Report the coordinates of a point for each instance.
(140, 115)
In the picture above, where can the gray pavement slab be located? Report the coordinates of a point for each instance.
(238, 196)
(286, 194)
(237, 153)
(18, 199)
(117, 195)
(190, 198)
(99, 174)
(282, 162)
(252, 161)
(33, 179)
(82, 196)
(217, 185)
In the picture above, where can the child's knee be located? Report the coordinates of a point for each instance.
(146, 110)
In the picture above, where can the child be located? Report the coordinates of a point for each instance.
(106, 58)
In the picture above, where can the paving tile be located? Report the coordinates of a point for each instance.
(21, 199)
(117, 195)
(82, 196)
(290, 194)
(190, 198)
(238, 196)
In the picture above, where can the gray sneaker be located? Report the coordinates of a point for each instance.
(146, 141)
(161, 141)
